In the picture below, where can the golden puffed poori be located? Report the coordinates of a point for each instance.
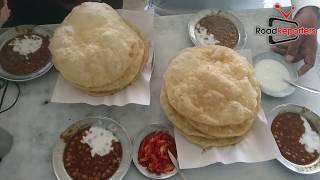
(212, 85)
(194, 128)
(211, 95)
(97, 51)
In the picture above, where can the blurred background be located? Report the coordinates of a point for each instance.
(169, 7)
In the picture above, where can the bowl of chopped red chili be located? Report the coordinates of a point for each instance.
(150, 151)
(96, 148)
(24, 53)
(296, 130)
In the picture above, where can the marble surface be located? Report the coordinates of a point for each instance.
(35, 123)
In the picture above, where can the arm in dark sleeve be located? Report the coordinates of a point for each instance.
(1, 4)
(116, 4)
(45, 11)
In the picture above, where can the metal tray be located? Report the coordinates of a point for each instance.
(136, 144)
(111, 125)
(197, 17)
(313, 119)
(19, 30)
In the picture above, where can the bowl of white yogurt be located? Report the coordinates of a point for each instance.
(271, 70)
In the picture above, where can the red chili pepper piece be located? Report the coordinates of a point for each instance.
(153, 152)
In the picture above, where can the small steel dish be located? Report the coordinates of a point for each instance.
(109, 124)
(208, 12)
(293, 73)
(136, 144)
(20, 30)
(313, 119)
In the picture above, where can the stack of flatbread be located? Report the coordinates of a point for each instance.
(97, 51)
(211, 95)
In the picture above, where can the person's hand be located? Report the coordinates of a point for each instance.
(305, 47)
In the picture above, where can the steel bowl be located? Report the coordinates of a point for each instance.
(107, 123)
(242, 36)
(314, 120)
(293, 73)
(136, 144)
(20, 30)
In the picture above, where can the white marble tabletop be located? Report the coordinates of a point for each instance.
(35, 122)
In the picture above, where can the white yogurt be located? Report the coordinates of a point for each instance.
(270, 74)
(99, 140)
